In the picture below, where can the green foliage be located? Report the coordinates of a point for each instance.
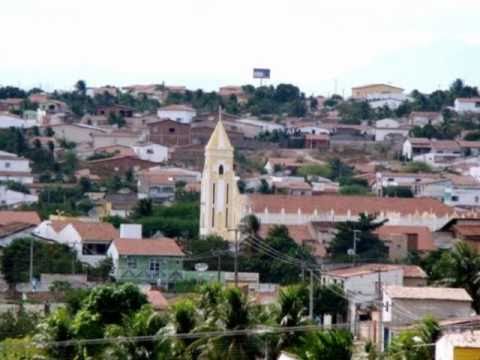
(408, 344)
(398, 191)
(354, 190)
(315, 170)
(12, 92)
(177, 220)
(473, 136)
(48, 258)
(17, 325)
(118, 120)
(20, 349)
(417, 167)
(144, 207)
(369, 246)
(16, 186)
(353, 112)
(111, 302)
(326, 345)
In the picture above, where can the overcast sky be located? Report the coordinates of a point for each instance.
(314, 44)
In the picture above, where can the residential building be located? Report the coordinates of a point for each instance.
(8, 120)
(169, 133)
(151, 152)
(231, 90)
(265, 126)
(157, 261)
(120, 204)
(77, 133)
(102, 90)
(402, 239)
(118, 165)
(117, 137)
(117, 110)
(388, 128)
(319, 142)
(89, 239)
(404, 305)
(158, 183)
(463, 105)
(180, 113)
(422, 118)
(16, 224)
(458, 345)
(414, 181)
(453, 190)
(464, 229)
(436, 153)
(11, 199)
(294, 188)
(11, 104)
(375, 90)
(416, 146)
(15, 168)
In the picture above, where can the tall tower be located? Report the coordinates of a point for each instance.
(219, 190)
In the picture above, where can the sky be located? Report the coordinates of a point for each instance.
(320, 46)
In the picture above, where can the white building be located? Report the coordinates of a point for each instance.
(8, 121)
(14, 168)
(151, 152)
(90, 240)
(389, 127)
(391, 101)
(180, 113)
(403, 305)
(463, 105)
(11, 198)
(263, 125)
(458, 345)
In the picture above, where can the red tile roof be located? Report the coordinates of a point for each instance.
(157, 300)
(424, 235)
(88, 230)
(342, 204)
(25, 217)
(153, 247)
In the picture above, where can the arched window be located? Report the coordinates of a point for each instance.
(220, 170)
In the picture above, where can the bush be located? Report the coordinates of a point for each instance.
(418, 167)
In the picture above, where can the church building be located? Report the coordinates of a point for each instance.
(222, 206)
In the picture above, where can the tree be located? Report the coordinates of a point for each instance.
(408, 344)
(368, 244)
(85, 184)
(460, 267)
(398, 191)
(70, 163)
(144, 207)
(81, 87)
(326, 345)
(17, 325)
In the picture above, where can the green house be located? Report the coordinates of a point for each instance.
(155, 261)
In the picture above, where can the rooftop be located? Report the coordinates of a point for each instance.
(88, 230)
(25, 217)
(427, 293)
(345, 204)
(148, 247)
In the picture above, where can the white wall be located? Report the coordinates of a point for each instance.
(13, 198)
(151, 152)
(181, 116)
(15, 164)
(407, 149)
(467, 106)
(7, 121)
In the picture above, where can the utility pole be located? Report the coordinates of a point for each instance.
(310, 304)
(219, 266)
(355, 239)
(31, 261)
(380, 311)
(235, 255)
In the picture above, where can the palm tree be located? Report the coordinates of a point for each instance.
(235, 315)
(461, 267)
(325, 345)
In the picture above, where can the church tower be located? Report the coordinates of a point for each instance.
(219, 190)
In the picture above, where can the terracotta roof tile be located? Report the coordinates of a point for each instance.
(159, 247)
(427, 293)
(88, 230)
(157, 300)
(342, 204)
(26, 217)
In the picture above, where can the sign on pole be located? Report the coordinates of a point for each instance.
(261, 73)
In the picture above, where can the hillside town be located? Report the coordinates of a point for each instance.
(155, 221)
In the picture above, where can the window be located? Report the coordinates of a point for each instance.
(131, 262)
(454, 198)
(154, 266)
(171, 130)
(149, 151)
(477, 199)
(220, 170)
(7, 165)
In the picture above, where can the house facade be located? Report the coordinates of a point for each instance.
(151, 152)
(374, 91)
(15, 168)
(169, 133)
(180, 113)
(156, 261)
(463, 105)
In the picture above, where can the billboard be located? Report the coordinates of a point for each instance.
(261, 73)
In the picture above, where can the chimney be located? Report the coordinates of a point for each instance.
(130, 231)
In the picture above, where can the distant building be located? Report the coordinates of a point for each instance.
(180, 113)
(11, 199)
(169, 133)
(422, 118)
(320, 141)
(16, 224)
(156, 261)
(117, 110)
(373, 90)
(463, 105)
(118, 165)
(151, 152)
(386, 128)
(9, 120)
(15, 168)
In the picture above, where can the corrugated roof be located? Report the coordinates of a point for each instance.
(427, 293)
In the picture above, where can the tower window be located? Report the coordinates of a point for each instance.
(220, 170)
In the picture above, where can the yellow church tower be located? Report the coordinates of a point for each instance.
(219, 192)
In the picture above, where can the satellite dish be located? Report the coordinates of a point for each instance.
(201, 267)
